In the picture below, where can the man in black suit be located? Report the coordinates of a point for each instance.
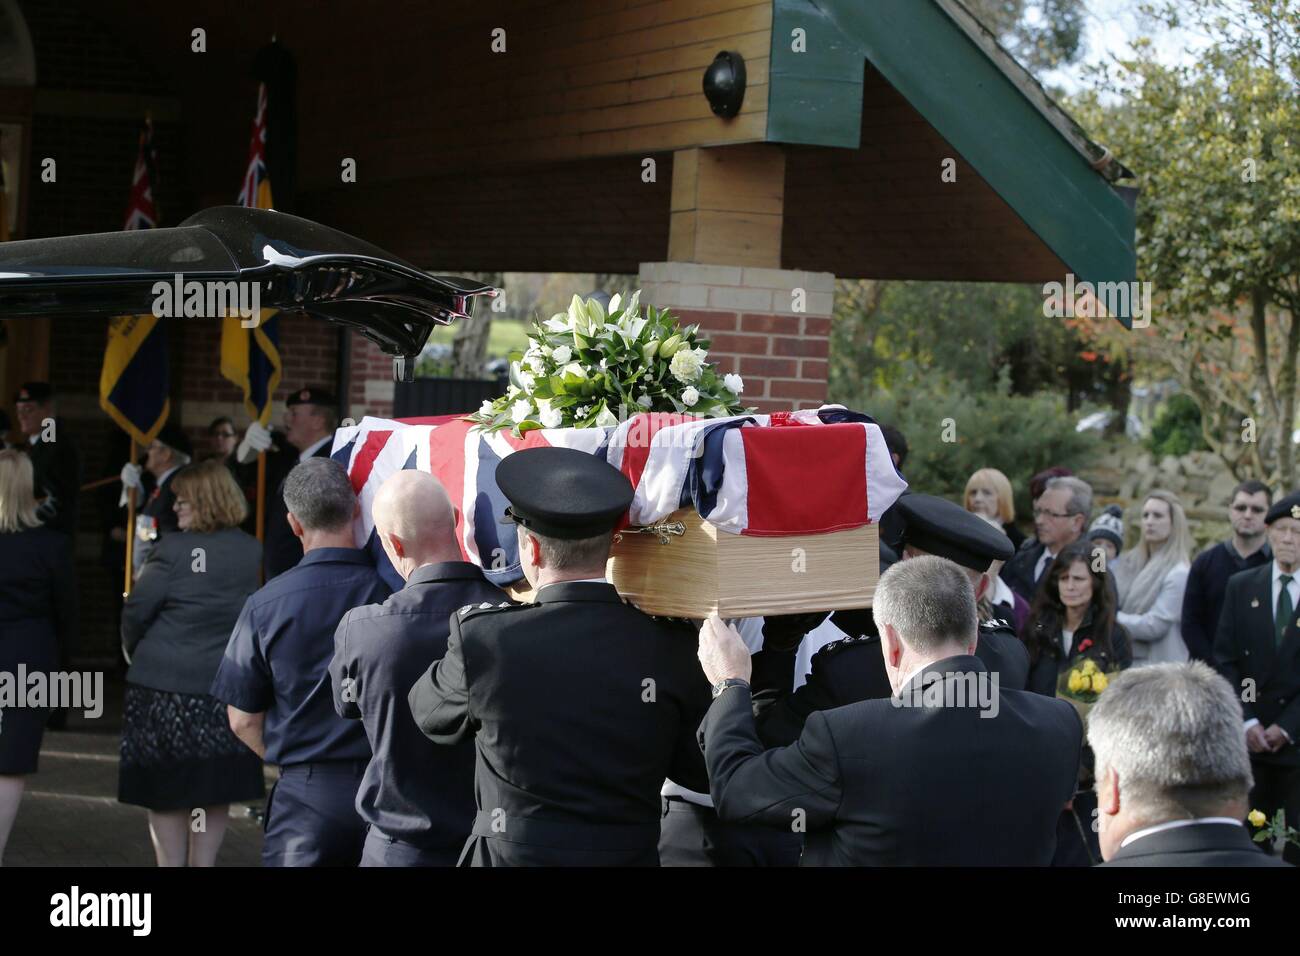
(853, 669)
(1257, 648)
(580, 705)
(416, 797)
(952, 770)
(309, 420)
(1061, 516)
(1172, 770)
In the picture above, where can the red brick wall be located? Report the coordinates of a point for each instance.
(782, 358)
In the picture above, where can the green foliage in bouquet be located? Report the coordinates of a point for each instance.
(587, 368)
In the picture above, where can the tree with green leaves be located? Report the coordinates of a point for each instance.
(1216, 146)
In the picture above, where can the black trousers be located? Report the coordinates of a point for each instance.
(692, 835)
(1277, 787)
(311, 816)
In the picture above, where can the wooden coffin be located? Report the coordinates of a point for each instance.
(702, 570)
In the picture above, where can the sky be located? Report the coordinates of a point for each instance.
(1111, 26)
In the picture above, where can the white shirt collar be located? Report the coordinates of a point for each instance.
(167, 474)
(312, 449)
(1277, 575)
(1174, 824)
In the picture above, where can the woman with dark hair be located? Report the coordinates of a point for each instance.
(1072, 620)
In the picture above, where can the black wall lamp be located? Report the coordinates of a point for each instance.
(724, 83)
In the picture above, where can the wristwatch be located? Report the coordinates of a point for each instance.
(722, 685)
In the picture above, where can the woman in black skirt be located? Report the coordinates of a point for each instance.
(37, 611)
(180, 759)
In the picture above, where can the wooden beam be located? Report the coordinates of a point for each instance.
(728, 205)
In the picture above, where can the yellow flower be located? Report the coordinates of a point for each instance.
(1256, 818)
(1090, 666)
(1075, 682)
(1100, 682)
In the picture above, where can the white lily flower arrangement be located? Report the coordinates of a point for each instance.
(587, 367)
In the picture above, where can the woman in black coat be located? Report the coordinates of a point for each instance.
(1072, 620)
(37, 612)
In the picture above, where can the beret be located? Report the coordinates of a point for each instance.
(1288, 507)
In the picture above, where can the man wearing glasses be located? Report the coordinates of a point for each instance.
(1208, 578)
(1061, 516)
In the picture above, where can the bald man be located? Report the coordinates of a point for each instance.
(417, 797)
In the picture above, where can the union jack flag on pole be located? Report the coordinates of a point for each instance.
(251, 357)
(133, 383)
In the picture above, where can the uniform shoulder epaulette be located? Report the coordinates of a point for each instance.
(996, 624)
(834, 647)
(470, 609)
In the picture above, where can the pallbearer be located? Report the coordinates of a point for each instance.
(580, 705)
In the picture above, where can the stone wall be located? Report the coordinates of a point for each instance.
(1200, 479)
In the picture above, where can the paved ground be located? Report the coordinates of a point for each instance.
(70, 815)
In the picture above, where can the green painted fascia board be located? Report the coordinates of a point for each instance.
(815, 98)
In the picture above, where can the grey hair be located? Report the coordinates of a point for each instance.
(319, 493)
(929, 600)
(1172, 732)
(1080, 496)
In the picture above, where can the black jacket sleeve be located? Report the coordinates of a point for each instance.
(1227, 648)
(440, 699)
(777, 787)
(1195, 623)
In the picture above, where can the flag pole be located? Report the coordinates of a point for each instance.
(130, 530)
(261, 496)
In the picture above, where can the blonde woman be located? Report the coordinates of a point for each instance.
(179, 755)
(1151, 579)
(37, 612)
(988, 493)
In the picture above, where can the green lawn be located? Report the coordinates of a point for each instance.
(506, 336)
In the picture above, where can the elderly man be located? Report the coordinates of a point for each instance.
(167, 454)
(417, 797)
(580, 705)
(951, 770)
(1257, 648)
(1061, 516)
(275, 677)
(1172, 770)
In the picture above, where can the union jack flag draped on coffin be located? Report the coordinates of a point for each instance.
(806, 472)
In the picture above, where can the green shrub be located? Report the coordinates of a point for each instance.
(1019, 435)
(1177, 428)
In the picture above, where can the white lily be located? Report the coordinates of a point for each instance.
(606, 418)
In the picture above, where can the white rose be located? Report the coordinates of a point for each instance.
(689, 395)
(552, 418)
(734, 382)
(527, 380)
(520, 411)
(606, 418)
(686, 365)
(562, 354)
(645, 401)
(485, 408)
(575, 369)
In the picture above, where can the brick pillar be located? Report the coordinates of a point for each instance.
(750, 318)
(372, 381)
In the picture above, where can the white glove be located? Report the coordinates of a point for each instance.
(256, 440)
(130, 479)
